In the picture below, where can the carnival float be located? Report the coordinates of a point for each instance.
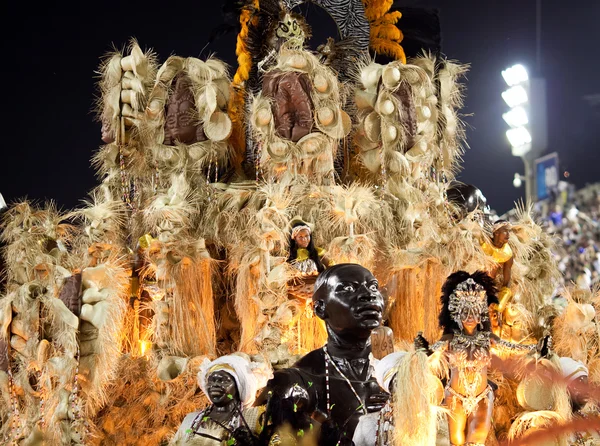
(291, 224)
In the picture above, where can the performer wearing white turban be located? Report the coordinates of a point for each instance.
(230, 382)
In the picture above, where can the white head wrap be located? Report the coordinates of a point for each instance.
(249, 376)
(296, 230)
(572, 369)
(386, 368)
(500, 224)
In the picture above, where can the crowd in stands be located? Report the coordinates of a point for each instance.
(573, 217)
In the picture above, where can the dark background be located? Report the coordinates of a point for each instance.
(51, 51)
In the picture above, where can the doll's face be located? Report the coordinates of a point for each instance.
(302, 238)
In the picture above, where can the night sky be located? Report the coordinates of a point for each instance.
(51, 53)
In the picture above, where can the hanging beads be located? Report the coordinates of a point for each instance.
(16, 428)
(257, 165)
(383, 169)
(79, 421)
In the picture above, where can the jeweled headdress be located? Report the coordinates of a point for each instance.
(465, 294)
(468, 298)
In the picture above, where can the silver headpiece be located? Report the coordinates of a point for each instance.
(468, 298)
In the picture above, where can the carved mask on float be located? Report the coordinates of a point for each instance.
(181, 121)
(348, 299)
(290, 31)
(292, 105)
(98, 227)
(164, 259)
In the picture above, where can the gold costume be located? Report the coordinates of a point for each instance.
(500, 255)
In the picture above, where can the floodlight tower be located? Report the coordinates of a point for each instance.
(526, 118)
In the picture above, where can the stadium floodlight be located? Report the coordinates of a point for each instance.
(517, 74)
(518, 180)
(516, 117)
(518, 137)
(515, 96)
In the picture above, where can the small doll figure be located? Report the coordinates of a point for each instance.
(304, 256)
(308, 261)
(500, 251)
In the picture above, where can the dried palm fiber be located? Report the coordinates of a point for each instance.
(310, 331)
(385, 37)
(506, 406)
(191, 312)
(414, 294)
(185, 318)
(530, 422)
(313, 154)
(21, 334)
(33, 236)
(142, 409)
(260, 289)
(396, 123)
(534, 270)
(108, 102)
(59, 324)
(172, 210)
(209, 87)
(357, 217)
(542, 387)
(56, 380)
(123, 86)
(103, 218)
(575, 333)
(105, 293)
(458, 247)
(416, 210)
(222, 220)
(544, 320)
(417, 393)
(451, 133)
(517, 326)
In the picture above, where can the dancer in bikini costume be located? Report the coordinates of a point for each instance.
(467, 344)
